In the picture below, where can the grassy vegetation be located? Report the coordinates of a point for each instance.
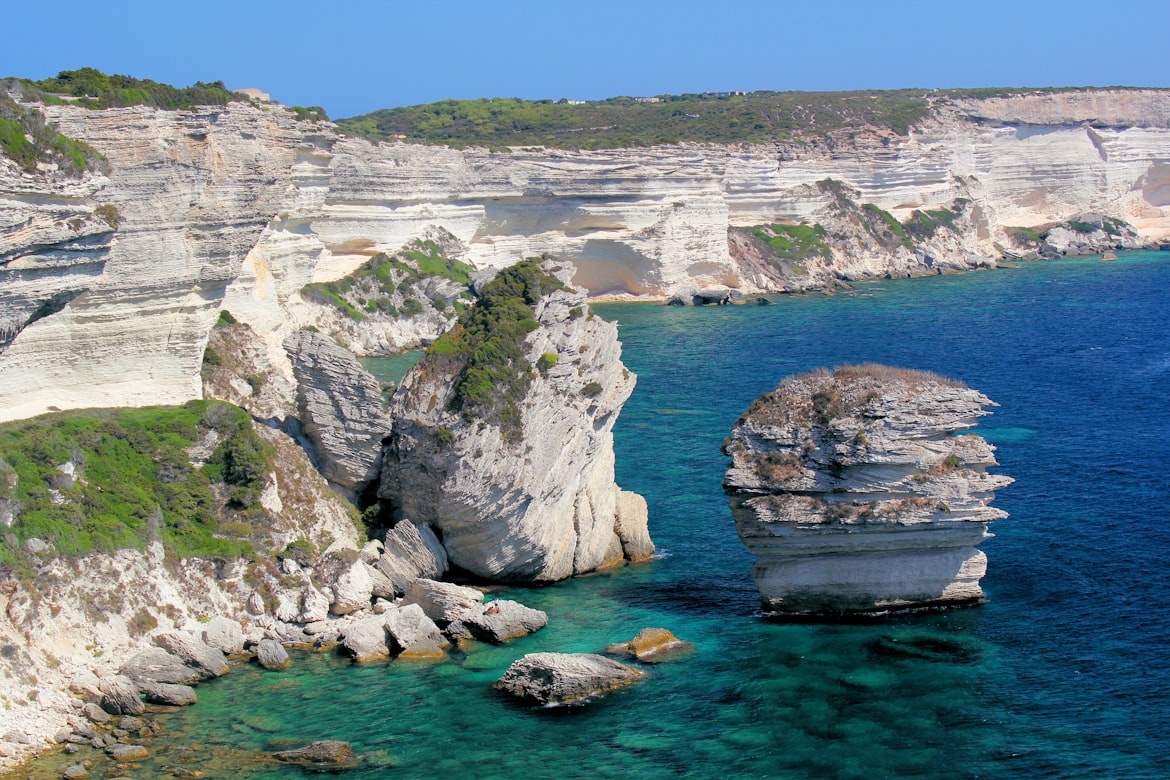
(94, 89)
(487, 345)
(624, 121)
(368, 290)
(797, 242)
(134, 480)
(27, 139)
(924, 224)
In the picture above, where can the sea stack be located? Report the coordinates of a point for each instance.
(502, 438)
(860, 495)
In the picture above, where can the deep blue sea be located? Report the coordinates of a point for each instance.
(1064, 673)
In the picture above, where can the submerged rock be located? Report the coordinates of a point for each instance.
(858, 494)
(510, 459)
(652, 645)
(564, 678)
(324, 753)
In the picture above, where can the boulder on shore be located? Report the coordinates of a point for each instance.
(564, 678)
(154, 664)
(500, 621)
(166, 693)
(443, 602)
(365, 641)
(193, 651)
(119, 696)
(271, 654)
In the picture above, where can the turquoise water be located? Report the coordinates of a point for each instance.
(391, 368)
(1062, 674)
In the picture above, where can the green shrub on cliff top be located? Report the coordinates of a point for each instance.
(135, 481)
(94, 89)
(488, 344)
(27, 139)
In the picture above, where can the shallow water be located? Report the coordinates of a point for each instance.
(1061, 674)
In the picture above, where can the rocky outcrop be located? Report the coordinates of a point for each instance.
(340, 408)
(511, 459)
(565, 678)
(652, 645)
(411, 551)
(71, 628)
(860, 494)
(443, 602)
(499, 622)
(119, 696)
(271, 654)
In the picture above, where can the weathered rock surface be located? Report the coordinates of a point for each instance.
(537, 500)
(365, 640)
(411, 551)
(412, 632)
(119, 696)
(652, 645)
(225, 635)
(193, 651)
(564, 678)
(155, 664)
(240, 206)
(507, 620)
(857, 495)
(443, 602)
(340, 408)
(76, 628)
(167, 693)
(324, 753)
(123, 753)
(271, 654)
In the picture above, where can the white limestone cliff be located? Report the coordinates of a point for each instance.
(534, 499)
(241, 206)
(857, 494)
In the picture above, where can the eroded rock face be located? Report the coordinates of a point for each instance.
(858, 493)
(565, 678)
(340, 407)
(529, 496)
(242, 206)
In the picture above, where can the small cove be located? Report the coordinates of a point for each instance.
(1059, 675)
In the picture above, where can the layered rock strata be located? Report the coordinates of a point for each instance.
(242, 206)
(860, 494)
(531, 495)
(340, 408)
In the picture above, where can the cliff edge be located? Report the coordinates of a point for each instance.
(859, 494)
(502, 437)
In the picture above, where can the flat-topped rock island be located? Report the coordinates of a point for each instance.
(860, 493)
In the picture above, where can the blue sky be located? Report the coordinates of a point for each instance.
(359, 55)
